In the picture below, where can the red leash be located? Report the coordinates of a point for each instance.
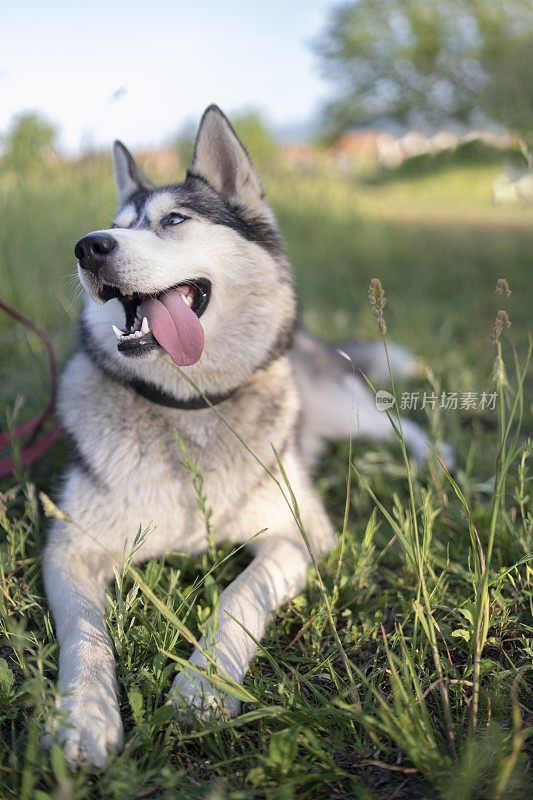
(33, 449)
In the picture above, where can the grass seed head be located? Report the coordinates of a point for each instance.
(502, 321)
(51, 510)
(376, 295)
(502, 287)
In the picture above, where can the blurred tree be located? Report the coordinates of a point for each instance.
(249, 127)
(508, 97)
(29, 140)
(184, 142)
(428, 61)
(255, 135)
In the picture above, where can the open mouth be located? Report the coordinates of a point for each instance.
(168, 320)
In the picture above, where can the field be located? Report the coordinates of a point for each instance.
(404, 671)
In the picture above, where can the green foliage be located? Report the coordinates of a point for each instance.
(253, 131)
(429, 60)
(6, 682)
(508, 61)
(184, 141)
(28, 142)
(249, 127)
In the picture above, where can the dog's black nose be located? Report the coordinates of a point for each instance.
(92, 250)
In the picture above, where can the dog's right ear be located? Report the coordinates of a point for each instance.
(221, 160)
(129, 177)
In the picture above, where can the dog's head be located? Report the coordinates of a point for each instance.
(193, 273)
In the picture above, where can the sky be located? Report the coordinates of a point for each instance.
(137, 70)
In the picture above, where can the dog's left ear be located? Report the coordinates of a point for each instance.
(129, 177)
(221, 160)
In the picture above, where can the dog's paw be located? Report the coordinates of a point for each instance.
(193, 696)
(91, 730)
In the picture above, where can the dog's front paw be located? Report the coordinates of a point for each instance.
(91, 730)
(192, 695)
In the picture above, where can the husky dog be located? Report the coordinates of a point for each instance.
(191, 282)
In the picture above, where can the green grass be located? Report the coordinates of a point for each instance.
(350, 709)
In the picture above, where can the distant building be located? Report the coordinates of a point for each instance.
(299, 155)
(358, 145)
(361, 144)
(163, 162)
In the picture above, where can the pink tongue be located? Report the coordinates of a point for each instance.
(175, 327)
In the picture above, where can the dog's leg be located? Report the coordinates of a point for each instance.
(276, 574)
(348, 408)
(337, 403)
(75, 585)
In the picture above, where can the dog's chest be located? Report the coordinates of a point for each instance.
(156, 467)
(159, 471)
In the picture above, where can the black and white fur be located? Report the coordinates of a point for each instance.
(282, 388)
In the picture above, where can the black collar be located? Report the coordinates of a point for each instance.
(150, 392)
(155, 395)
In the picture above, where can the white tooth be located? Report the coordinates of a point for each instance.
(117, 333)
(187, 299)
(138, 334)
(144, 327)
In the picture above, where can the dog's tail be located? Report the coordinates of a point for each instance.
(336, 401)
(370, 358)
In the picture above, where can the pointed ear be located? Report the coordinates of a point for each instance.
(128, 176)
(221, 160)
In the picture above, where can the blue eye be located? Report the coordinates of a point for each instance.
(172, 219)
